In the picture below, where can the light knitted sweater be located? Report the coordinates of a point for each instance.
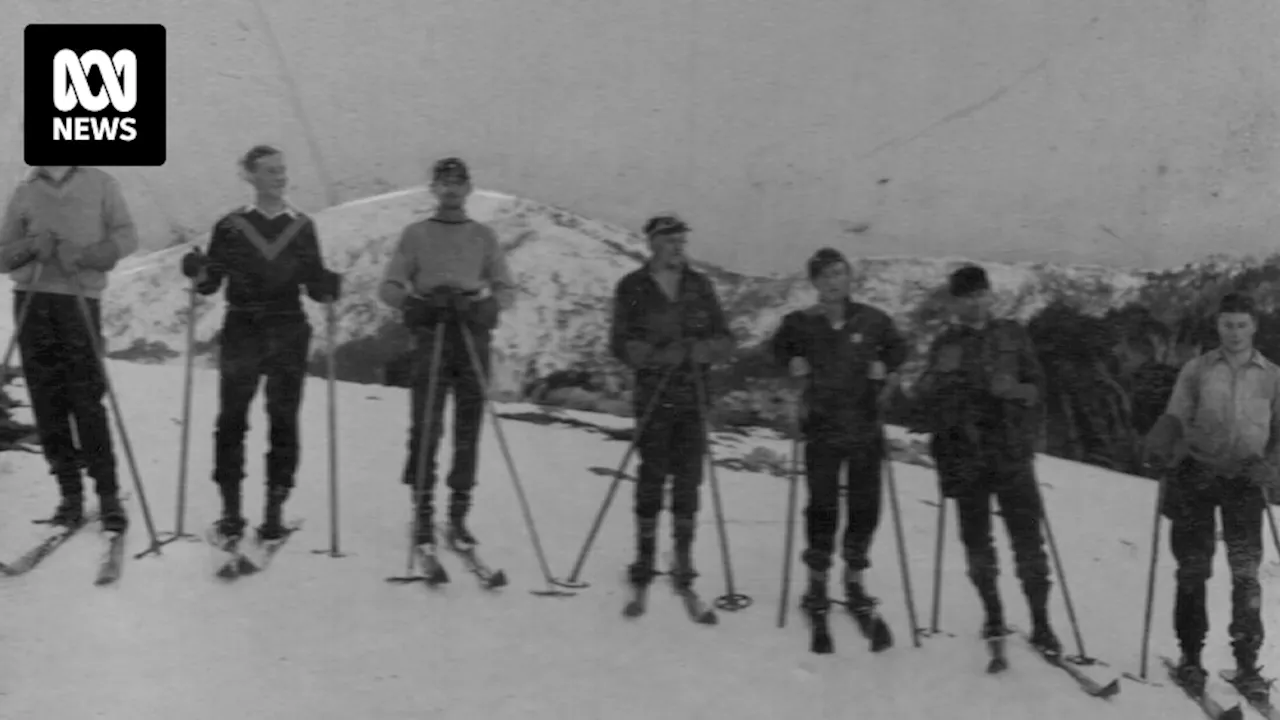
(85, 209)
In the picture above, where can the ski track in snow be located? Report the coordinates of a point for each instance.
(323, 637)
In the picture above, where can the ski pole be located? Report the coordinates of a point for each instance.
(1271, 520)
(732, 600)
(331, 371)
(100, 354)
(482, 377)
(184, 447)
(789, 543)
(1151, 573)
(886, 465)
(22, 321)
(572, 581)
(424, 441)
(938, 553)
(1083, 658)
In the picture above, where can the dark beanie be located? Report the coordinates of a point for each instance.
(823, 259)
(968, 280)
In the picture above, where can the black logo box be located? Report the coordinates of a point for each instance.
(41, 42)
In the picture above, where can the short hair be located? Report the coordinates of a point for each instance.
(823, 259)
(249, 161)
(1237, 303)
(968, 280)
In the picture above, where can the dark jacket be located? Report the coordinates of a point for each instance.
(839, 397)
(643, 312)
(954, 398)
(265, 261)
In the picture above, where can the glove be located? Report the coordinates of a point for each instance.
(1163, 443)
(484, 313)
(1264, 475)
(799, 367)
(195, 264)
(1004, 387)
(417, 312)
(884, 398)
(448, 298)
(326, 288)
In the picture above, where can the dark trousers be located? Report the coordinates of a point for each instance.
(972, 478)
(456, 374)
(257, 345)
(65, 382)
(1195, 498)
(672, 443)
(823, 463)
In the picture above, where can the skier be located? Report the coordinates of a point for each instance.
(448, 269)
(64, 230)
(980, 398)
(668, 323)
(849, 354)
(1220, 439)
(265, 252)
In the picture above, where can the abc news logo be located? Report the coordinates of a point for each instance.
(95, 95)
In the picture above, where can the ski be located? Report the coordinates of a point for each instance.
(1262, 704)
(872, 625)
(231, 560)
(112, 562)
(433, 572)
(265, 550)
(489, 579)
(58, 534)
(639, 601)
(1206, 702)
(999, 662)
(1088, 684)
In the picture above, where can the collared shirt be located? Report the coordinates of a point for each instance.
(286, 210)
(1228, 414)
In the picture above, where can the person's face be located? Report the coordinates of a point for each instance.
(1236, 331)
(974, 307)
(668, 250)
(451, 192)
(833, 283)
(270, 176)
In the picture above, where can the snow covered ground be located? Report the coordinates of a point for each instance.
(322, 637)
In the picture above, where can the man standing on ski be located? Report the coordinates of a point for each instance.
(848, 355)
(669, 327)
(64, 230)
(266, 253)
(448, 275)
(1220, 438)
(980, 397)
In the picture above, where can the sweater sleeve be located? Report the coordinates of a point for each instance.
(721, 337)
(12, 232)
(624, 327)
(120, 234)
(787, 343)
(893, 346)
(397, 279)
(314, 274)
(216, 270)
(496, 271)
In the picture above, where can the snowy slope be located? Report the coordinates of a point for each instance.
(327, 638)
(566, 266)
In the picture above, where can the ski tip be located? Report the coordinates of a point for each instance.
(1111, 689)
(499, 579)
(708, 618)
(1234, 713)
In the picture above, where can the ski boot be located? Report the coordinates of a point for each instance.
(1045, 641)
(457, 534)
(994, 632)
(641, 572)
(69, 513)
(863, 608)
(272, 527)
(682, 570)
(1247, 679)
(112, 512)
(815, 600)
(1190, 674)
